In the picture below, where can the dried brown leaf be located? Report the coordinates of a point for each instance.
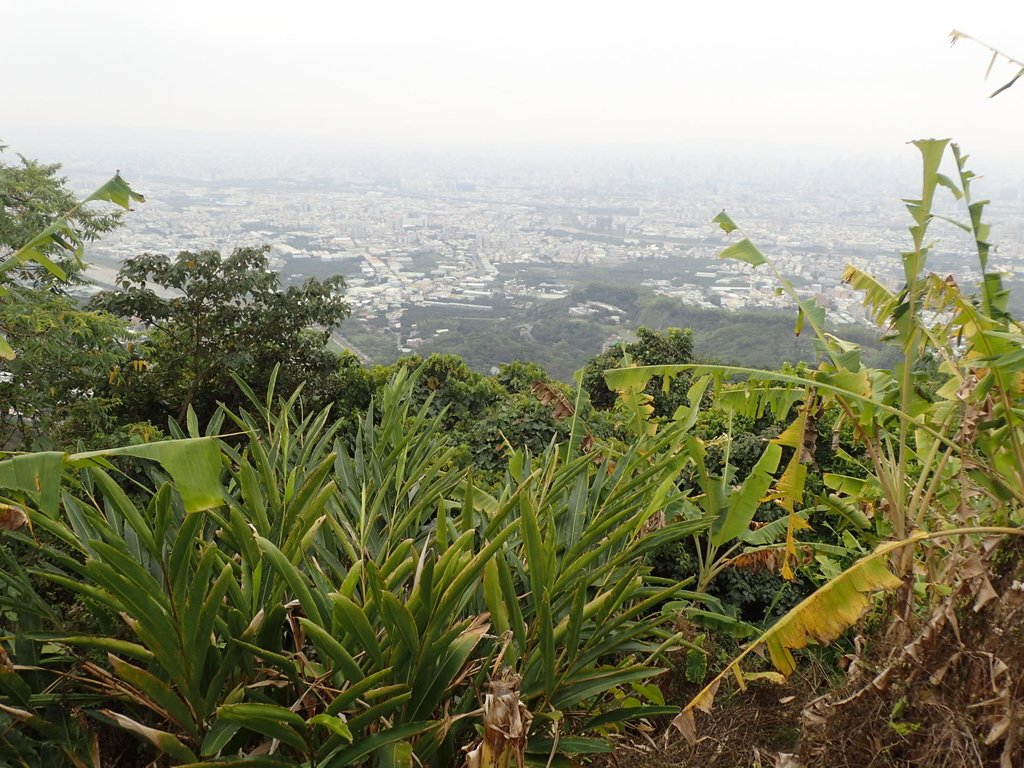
(685, 723)
(12, 518)
(548, 395)
(937, 675)
(998, 730)
(986, 594)
(972, 567)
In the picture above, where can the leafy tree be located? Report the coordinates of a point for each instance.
(209, 316)
(485, 417)
(61, 387)
(57, 362)
(452, 385)
(351, 388)
(671, 347)
(33, 196)
(519, 376)
(522, 417)
(515, 422)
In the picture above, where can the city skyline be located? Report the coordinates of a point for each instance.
(432, 251)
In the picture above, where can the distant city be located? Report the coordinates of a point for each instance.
(469, 236)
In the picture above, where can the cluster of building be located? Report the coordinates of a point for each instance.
(438, 237)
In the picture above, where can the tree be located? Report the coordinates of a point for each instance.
(32, 197)
(518, 377)
(60, 389)
(58, 363)
(463, 393)
(521, 417)
(208, 316)
(671, 347)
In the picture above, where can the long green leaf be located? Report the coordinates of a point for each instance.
(194, 464)
(743, 503)
(358, 626)
(353, 754)
(268, 720)
(744, 251)
(295, 579)
(158, 692)
(330, 648)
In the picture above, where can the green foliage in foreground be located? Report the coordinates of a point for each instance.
(310, 591)
(942, 432)
(209, 316)
(332, 603)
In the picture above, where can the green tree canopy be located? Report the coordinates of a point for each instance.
(61, 388)
(671, 347)
(58, 364)
(208, 316)
(32, 196)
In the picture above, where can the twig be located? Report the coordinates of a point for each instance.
(996, 54)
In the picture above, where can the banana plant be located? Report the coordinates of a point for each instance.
(60, 234)
(820, 618)
(730, 503)
(928, 451)
(940, 452)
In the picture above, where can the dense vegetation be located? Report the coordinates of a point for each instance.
(547, 335)
(328, 565)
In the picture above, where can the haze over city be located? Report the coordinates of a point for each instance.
(799, 78)
(469, 168)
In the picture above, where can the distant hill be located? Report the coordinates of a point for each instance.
(549, 334)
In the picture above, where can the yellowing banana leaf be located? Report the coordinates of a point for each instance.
(821, 617)
(878, 299)
(636, 403)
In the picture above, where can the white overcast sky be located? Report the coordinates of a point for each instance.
(863, 77)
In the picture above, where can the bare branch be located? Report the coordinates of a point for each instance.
(996, 54)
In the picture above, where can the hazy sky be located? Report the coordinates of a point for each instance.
(863, 76)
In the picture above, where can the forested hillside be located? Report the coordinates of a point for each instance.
(221, 544)
(546, 334)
